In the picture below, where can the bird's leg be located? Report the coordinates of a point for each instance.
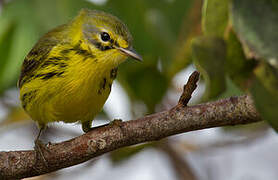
(39, 147)
(86, 126)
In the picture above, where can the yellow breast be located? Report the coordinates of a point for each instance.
(80, 91)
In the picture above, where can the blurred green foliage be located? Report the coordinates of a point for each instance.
(232, 42)
(215, 17)
(209, 55)
(256, 25)
(265, 92)
(249, 32)
(238, 67)
(155, 27)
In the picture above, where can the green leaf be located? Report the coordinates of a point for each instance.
(238, 67)
(255, 22)
(209, 56)
(215, 17)
(265, 93)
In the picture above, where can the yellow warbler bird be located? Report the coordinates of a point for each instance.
(68, 74)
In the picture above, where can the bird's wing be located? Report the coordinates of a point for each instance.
(39, 53)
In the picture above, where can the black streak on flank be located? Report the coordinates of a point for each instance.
(102, 86)
(113, 73)
(104, 83)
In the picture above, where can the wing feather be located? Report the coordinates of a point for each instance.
(39, 53)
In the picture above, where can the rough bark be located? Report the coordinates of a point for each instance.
(179, 119)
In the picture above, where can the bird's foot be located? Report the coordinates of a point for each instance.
(40, 148)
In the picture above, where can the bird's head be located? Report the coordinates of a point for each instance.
(107, 35)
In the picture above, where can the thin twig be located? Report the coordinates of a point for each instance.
(188, 88)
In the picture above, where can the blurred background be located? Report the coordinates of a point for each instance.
(233, 44)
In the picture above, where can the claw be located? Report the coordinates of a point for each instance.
(39, 149)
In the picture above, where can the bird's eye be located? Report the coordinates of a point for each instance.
(105, 36)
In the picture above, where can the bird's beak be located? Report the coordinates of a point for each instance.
(131, 53)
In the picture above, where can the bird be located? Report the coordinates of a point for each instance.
(68, 74)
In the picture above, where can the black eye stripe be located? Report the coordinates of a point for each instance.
(105, 36)
(98, 42)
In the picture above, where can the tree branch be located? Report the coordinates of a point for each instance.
(179, 119)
